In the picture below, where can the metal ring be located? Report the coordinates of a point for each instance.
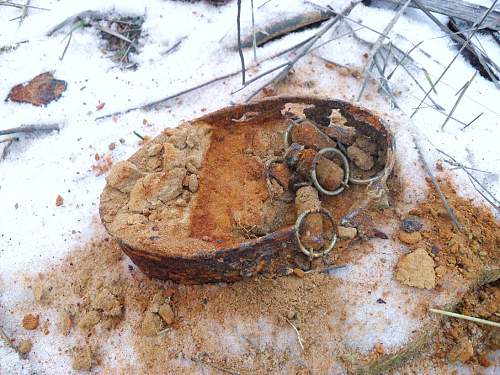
(314, 178)
(311, 252)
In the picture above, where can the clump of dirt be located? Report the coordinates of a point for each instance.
(30, 321)
(416, 269)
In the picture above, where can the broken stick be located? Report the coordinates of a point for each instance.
(30, 129)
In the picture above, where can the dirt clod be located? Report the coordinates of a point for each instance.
(25, 346)
(410, 238)
(82, 359)
(152, 324)
(59, 201)
(462, 351)
(416, 269)
(123, 176)
(88, 320)
(166, 313)
(361, 159)
(30, 321)
(347, 233)
(299, 273)
(107, 302)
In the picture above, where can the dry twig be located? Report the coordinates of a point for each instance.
(378, 44)
(240, 49)
(30, 129)
(462, 92)
(451, 214)
(485, 193)
(299, 338)
(465, 317)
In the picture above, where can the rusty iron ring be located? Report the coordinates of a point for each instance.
(346, 169)
(310, 252)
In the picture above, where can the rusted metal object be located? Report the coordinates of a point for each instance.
(274, 253)
(41, 90)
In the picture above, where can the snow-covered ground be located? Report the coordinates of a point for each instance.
(34, 232)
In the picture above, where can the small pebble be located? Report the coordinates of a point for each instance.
(299, 273)
(347, 233)
(412, 224)
(155, 150)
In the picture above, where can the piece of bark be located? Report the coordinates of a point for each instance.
(41, 90)
(459, 9)
(287, 26)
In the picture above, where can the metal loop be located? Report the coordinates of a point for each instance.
(345, 163)
(311, 253)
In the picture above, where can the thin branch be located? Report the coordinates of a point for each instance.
(492, 200)
(85, 15)
(383, 81)
(465, 317)
(476, 26)
(24, 12)
(472, 121)
(30, 129)
(116, 35)
(406, 55)
(462, 92)
(161, 101)
(240, 49)
(254, 38)
(299, 338)
(20, 6)
(451, 214)
(378, 44)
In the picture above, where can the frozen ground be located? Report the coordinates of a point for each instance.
(35, 233)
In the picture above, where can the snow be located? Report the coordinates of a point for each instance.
(35, 233)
